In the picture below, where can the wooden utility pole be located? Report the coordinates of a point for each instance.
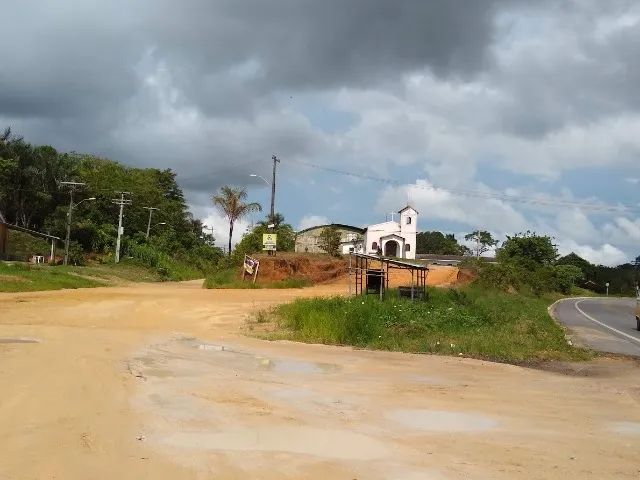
(273, 189)
(72, 187)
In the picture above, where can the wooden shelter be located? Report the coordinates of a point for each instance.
(4, 238)
(371, 275)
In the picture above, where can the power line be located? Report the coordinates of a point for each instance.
(596, 207)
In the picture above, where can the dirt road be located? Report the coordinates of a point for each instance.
(158, 382)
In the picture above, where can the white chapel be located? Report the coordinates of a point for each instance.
(394, 239)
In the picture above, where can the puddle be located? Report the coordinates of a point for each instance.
(335, 444)
(19, 340)
(298, 366)
(626, 428)
(443, 421)
(314, 402)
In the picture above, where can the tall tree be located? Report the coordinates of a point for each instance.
(529, 250)
(329, 240)
(483, 240)
(231, 202)
(438, 243)
(276, 220)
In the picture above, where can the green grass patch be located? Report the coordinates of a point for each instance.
(22, 277)
(167, 267)
(127, 270)
(229, 279)
(474, 322)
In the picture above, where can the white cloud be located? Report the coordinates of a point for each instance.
(576, 225)
(437, 204)
(309, 221)
(220, 227)
(605, 254)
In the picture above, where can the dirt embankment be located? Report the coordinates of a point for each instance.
(313, 268)
(325, 269)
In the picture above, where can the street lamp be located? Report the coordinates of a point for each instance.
(69, 213)
(153, 226)
(263, 179)
(272, 193)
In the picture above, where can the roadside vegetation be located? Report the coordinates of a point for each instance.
(472, 321)
(501, 316)
(229, 278)
(18, 277)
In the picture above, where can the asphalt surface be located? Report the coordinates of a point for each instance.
(603, 324)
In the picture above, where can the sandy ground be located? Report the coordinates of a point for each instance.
(159, 382)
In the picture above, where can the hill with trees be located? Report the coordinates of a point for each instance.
(32, 196)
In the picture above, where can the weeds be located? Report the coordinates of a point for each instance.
(17, 277)
(472, 322)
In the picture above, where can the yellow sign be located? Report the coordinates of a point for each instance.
(269, 239)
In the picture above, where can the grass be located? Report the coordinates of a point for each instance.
(20, 277)
(474, 322)
(127, 270)
(226, 279)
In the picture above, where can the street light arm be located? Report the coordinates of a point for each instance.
(261, 177)
(85, 200)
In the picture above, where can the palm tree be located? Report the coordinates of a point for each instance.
(231, 202)
(277, 220)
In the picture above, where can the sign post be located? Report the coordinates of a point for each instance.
(269, 241)
(250, 266)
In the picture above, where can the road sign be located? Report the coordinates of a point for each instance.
(269, 239)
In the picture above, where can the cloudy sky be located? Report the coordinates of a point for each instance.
(500, 115)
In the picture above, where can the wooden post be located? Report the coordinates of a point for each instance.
(244, 268)
(255, 272)
(4, 238)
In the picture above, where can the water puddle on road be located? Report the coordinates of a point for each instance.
(276, 365)
(626, 428)
(298, 366)
(326, 443)
(19, 340)
(442, 421)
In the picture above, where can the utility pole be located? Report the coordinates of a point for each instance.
(72, 187)
(273, 189)
(151, 209)
(122, 202)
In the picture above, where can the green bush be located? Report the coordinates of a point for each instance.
(567, 276)
(167, 267)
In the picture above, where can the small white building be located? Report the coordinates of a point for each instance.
(394, 239)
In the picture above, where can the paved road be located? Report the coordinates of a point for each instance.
(604, 324)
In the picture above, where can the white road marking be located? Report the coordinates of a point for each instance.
(631, 337)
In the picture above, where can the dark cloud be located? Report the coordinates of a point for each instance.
(71, 58)
(568, 66)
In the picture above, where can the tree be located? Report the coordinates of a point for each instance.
(276, 220)
(329, 240)
(567, 276)
(438, 243)
(252, 241)
(588, 269)
(230, 201)
(483, 241)
(528, 249)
